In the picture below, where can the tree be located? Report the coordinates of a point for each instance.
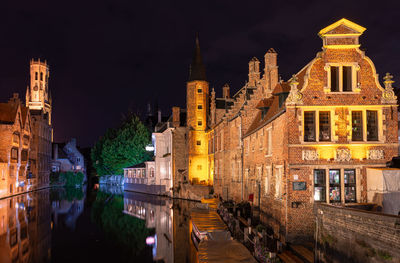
(121, 147)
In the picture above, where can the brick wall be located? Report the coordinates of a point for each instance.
(350, 235)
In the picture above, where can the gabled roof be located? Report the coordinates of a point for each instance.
(283, 87)
(265, 103)
(8, 113)
(342, 27)
(274, 111)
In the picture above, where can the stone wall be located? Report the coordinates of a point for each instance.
(351, 235)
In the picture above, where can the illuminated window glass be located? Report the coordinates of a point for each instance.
(324, 126)
(372, 125)
(356, 126)
(309, 126)
(334, 186)
(347, 78)
(350, 185)
(319, 185)
(334, 79)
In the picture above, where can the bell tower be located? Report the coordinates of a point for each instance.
(37, 95)
(197, 108)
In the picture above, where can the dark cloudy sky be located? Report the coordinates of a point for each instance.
(108, 56)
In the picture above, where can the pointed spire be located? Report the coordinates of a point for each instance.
(197, 70)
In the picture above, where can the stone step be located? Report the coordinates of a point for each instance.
(289, 257)
(303, 252)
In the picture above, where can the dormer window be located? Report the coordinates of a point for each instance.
(342, 78)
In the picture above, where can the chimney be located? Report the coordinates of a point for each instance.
(15, 98)
(225, 91)
(271, 69)
(176, 111)
(159, 116)
(254, 71)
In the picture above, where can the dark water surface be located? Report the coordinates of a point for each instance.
(110, 225)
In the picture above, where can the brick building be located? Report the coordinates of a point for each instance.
(285, 145)
(39, 102)
(15, 137)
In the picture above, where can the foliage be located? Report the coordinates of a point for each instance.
(128, 231)
(71, 179)
(121, 147)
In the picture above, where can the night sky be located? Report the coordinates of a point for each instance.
(110, 56)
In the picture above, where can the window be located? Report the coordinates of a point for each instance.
(199, 90)
(334, 79)
(144, 172)
(25, 139)
(151, 172)
(198, 142)
(334, 186)
(347, 80)
(319, 185)
(372, 125)
(16, 137)
(278, 188)
(14, 153)
(341, 78)
(36, 76)
(324, 126)
(199, 107)
(199, 167)
(24, 155)
(282, 98)
(199, 123)
(269, 141)
(356, 126)
(41, 75)
(266, 180)
(309, 126)
(350, 185)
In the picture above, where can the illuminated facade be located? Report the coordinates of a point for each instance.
(38, 100)
(15, 138)
(197, 107)
(284, 145)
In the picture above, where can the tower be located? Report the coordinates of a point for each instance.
(37, 94)
(197, 92)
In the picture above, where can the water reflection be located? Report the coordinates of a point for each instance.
(25, 228)
(61, 225)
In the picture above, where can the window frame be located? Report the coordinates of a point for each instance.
(320, 185)
(354, 77)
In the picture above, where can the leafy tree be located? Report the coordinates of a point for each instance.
(121, 147)
(71, 179)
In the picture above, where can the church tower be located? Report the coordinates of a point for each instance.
(37, 95)
(197, 107)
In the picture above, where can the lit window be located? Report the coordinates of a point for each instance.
(334, 186)
(309, 126)
(372, 125)
(324, 126)
(350, 185)
(319, 185)
(356, 126)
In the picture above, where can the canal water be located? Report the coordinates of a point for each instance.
(109, 225)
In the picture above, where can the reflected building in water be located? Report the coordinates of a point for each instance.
(158, 214)
(25, 228)
(67, 211)
(170, 219)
